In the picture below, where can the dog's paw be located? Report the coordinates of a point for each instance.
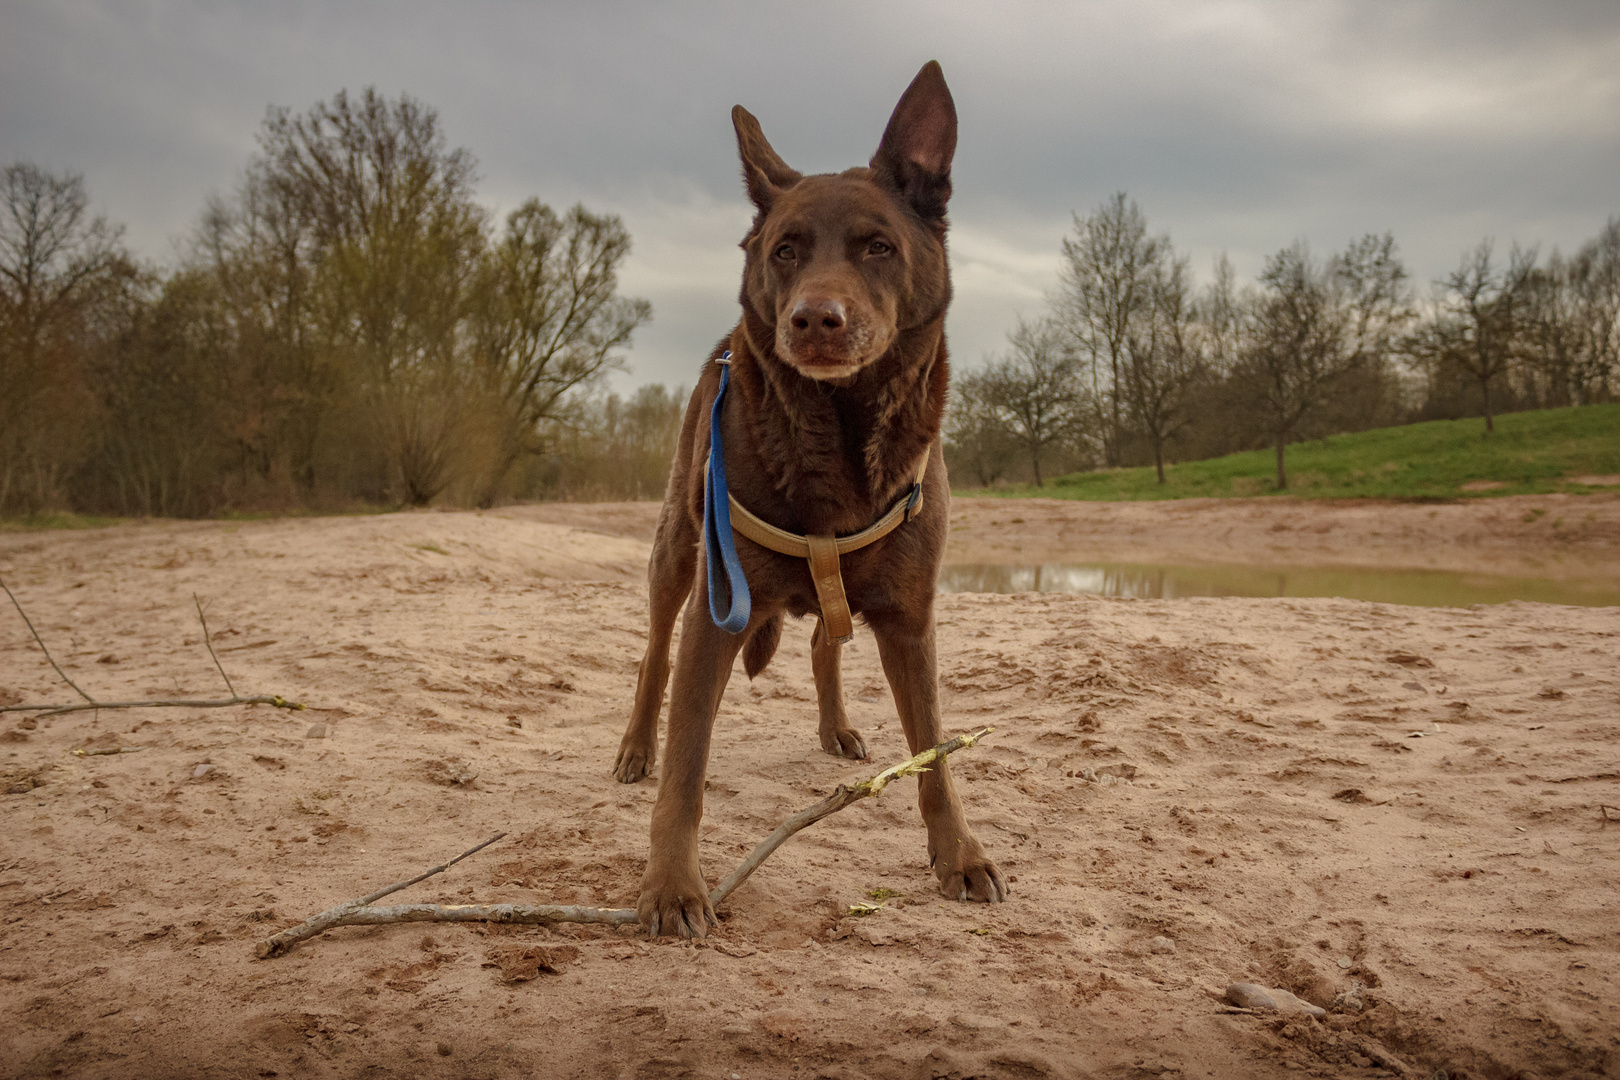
(633, 763)
(844, 743)
(675, 908)
(971, 875)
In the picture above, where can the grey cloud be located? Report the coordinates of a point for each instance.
(1237, 126)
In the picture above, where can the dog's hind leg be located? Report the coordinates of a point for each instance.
(837, 737)
(669, 577)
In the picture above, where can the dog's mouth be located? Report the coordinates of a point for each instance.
(821, 360)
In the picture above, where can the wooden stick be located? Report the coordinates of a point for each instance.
(91, 703)
(57, 710)
(359, 913)
(280, 943)
(833, 803)
(544, 914)
(42, 648)
(209, 641)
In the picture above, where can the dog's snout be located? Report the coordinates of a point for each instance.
(819, 319)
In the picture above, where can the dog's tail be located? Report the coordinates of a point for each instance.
(761, 645)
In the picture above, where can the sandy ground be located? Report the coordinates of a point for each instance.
(1235, 777)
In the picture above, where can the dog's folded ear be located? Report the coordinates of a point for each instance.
(914, 157)
(765, 174)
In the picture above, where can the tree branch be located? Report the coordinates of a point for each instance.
(358, 912)
(43, 649)
(91, 703)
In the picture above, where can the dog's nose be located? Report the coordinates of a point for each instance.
(818, 320)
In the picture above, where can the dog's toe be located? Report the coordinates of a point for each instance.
(978, 880)
(845, 743)
(631, 765)
(682, 916)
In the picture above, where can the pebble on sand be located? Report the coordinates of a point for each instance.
(1161, 945)
(316, 731)
(1276, 999)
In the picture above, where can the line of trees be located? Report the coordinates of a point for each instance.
(348, 325)
(1132, 364)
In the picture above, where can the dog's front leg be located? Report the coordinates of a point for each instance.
(674, 899)
(906, 647)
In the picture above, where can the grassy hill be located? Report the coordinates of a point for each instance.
(1530, 453)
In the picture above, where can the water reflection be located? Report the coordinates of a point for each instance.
(1425, 588)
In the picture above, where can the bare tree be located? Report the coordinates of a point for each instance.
(976, 435)
(261, 250)
(1219, 319)
(1162, 366)
(1571, 321)
(56, 263)
(1036, 389)
(1104, 286)
(1298, 351)
(1486, 309)
(549, 322)
(1372, 285)
(398, 239)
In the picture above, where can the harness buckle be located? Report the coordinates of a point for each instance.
(914, 500)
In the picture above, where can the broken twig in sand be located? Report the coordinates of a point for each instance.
(91, 703)
(283, 941)
(359, 913)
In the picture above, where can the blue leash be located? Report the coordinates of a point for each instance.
(718, 545)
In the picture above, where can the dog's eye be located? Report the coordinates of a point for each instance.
(785, 253)
(878, 247)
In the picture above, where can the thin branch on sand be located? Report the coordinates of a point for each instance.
(40, 642)
(280, 943)
(89, 703)
(209, 641)
(358, 912)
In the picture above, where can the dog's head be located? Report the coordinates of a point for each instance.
(840, 265)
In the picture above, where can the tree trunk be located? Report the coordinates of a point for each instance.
(1158, 457)
(1282, 472)
(1035, 459)
(497, 475)
(1485, 387)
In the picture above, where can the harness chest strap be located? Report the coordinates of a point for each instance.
(823, 552)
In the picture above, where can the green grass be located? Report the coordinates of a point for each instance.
(57, 520)
(1531, 453)
(66, 519)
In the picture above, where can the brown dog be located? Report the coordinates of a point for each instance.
(837, 388)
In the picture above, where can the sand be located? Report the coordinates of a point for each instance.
(1184, 794)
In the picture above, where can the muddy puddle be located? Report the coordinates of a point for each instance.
(1425, 588)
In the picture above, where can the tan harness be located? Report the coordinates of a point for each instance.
(823, 552)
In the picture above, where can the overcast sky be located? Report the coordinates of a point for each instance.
(1238, 127)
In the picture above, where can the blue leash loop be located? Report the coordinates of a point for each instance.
(719, 548)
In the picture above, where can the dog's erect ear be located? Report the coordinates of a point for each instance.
(914, 157)
(765, 174)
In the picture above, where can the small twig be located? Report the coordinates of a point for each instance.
(358, 913)
(99, 750)
(209, 641)
(42, 649)
(280, 943)
(833, 803)
(57, 710)
(91, 703)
